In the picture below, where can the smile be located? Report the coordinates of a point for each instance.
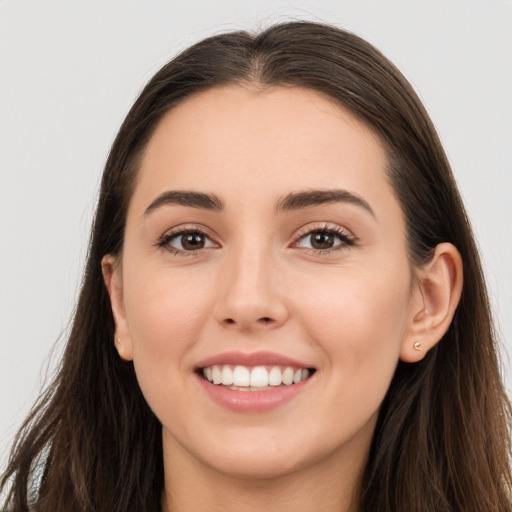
(257, 378)
(255, 382)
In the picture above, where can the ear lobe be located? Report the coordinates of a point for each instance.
(112, 275)
(437, 294)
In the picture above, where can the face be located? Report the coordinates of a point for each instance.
(263, 244)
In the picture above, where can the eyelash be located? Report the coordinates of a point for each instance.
(346, 240)
(166, 239)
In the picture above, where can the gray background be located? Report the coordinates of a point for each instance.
(70, 70)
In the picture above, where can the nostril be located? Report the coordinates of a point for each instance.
(264, 320)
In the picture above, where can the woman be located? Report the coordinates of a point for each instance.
(273, 313)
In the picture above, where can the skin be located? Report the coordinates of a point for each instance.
(351, 313)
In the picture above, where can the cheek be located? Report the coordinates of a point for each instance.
(358, 318)
(165, 309)
(357, 323)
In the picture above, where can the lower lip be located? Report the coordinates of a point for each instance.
(252, 401)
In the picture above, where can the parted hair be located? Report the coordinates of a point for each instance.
(91, 442)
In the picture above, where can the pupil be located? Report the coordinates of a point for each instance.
(322, 241)
(192, 241)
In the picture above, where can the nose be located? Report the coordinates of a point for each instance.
(250, 295)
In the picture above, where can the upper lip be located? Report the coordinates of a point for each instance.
(262, 358)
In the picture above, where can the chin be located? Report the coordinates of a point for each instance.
(253, 460)
(258, 468)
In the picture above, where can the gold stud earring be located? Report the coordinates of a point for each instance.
(417, 345)
(117, 343)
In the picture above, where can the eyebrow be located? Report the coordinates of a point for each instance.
(307, 198)
(186, 198)
(293, 201)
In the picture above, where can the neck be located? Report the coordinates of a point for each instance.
(332, 484)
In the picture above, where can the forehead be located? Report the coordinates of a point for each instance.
(236, 139)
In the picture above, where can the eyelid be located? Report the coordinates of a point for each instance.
(182, 229)
(323, 226)
(347, 238)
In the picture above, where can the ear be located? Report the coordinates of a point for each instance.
(435, 298)
(112, 275)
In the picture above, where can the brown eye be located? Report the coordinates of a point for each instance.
(192, 241)
(322, 240)
(186, 241)
(325, 240)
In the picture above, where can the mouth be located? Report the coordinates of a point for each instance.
(254, 378)
(253, 382)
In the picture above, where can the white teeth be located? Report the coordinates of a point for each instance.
(227, 376)
(275, 377)
(216, 375)
(288, 376)
(243, 378)
(259, 377)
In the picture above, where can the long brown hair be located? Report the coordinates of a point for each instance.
(442, 439)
